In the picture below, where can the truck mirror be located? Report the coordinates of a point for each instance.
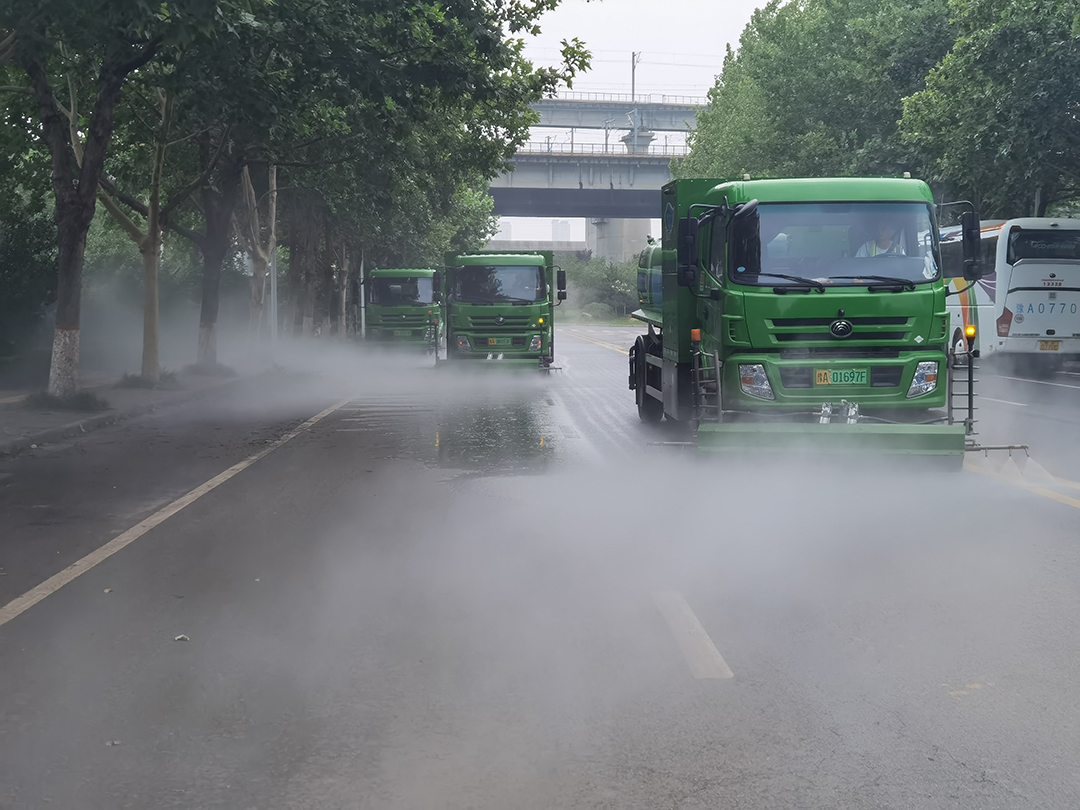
(436, 287)
(687, 252)
(745, 209)
(972, 243)
(562, 295)
(560, 282)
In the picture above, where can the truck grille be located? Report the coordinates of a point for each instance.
(882, 321)
(511, 323)
(855, 335)
(839, 352)
(412, 319)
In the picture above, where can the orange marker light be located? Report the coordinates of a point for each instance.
(695, 336)
(969, 331)
(540, 321)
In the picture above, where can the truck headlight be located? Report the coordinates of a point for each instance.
(755, 382)
(463, 344)
(925, 379)
(534, 344)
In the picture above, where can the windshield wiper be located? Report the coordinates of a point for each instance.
(903, 282)
(807, 282)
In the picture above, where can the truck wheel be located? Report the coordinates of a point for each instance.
(649, 410)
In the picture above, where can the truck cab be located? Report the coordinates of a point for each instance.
(501, 307)
(404, 307)
(783, 299)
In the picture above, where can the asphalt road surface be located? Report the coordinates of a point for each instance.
(371, 584)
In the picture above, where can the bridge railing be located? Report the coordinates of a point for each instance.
(626, 98)
(595, 149)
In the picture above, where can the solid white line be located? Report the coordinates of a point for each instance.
(697, 648)
(1037, 382)
(54, 583)
(1004, 401)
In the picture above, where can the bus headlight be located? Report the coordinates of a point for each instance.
(925, 379)
(534, 344)
(755, 382)
(463, 344)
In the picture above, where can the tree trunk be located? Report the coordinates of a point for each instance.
(64, 369)
(259, 267)
(218, 204)
(343, 292)
(216, 247)
(151, 253)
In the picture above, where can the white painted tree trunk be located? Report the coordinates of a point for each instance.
(64, 370)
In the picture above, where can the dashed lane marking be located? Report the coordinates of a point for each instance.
(23, 603)
(697, 648)
(1037, 382)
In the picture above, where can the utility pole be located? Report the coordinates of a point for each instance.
(635, 57)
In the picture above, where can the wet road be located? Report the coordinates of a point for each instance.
(398, 588)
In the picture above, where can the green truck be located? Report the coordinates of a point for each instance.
(803, 314)
(403, 307)
(500, 308)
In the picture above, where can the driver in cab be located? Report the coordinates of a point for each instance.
(885, 243)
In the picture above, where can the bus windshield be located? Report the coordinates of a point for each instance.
(401, 291)
(492, 284)
(831, 243)
(1043, 244)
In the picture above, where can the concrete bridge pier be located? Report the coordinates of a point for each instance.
(617, 240)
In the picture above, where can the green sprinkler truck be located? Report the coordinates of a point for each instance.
(403, 307)
(803, 314)
(500, 308)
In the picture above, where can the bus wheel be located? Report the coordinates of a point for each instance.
(650, 410)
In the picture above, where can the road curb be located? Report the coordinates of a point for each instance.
(10, 447)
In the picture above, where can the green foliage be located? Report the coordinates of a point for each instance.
(815, 89)
(998, 115)
(598, 281)
(978, 96)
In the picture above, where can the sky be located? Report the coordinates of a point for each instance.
(681, 42)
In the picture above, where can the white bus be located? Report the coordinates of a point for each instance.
(1028, 308)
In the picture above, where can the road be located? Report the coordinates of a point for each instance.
(398, 587)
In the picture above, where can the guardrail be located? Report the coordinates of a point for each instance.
(626, 98)
(594, 149)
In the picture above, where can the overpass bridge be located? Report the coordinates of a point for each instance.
(615, 185)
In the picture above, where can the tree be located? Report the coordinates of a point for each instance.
(998, 116)
(815, 89)
(109, 41)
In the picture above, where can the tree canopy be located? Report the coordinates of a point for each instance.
(976, 96)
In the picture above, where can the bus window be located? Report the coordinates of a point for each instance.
(952, 256)
(1042, 244)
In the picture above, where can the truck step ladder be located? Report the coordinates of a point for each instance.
(706, 382)
(960, 395)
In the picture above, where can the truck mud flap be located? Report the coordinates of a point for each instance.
(945, 441)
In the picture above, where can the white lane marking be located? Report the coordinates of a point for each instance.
(1004, 401)
(697, 648)
(1037, 382)
(23, 603)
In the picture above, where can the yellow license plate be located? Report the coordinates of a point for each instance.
(1049, 345)
(840, 376)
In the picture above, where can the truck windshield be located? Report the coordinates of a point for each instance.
(831, 243)
(399, 291)
(492, 284)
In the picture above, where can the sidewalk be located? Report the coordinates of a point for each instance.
(22, 427)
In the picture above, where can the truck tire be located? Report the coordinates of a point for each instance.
(650, 410)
